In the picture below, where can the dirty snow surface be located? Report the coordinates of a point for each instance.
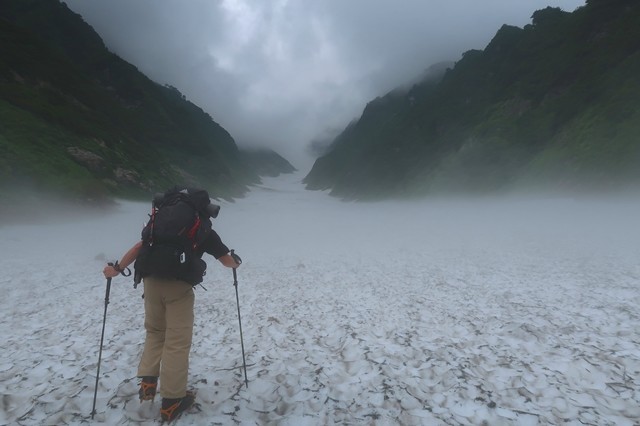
(434, 312)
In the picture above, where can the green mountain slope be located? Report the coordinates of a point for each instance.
(554, 105)
(75, 118)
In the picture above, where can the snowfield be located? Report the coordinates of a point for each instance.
(435, 312)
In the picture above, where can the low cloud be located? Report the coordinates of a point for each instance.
(280, 73)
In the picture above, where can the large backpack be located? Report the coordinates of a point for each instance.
(178, 225)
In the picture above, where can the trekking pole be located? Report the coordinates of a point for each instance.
(235, 284)
(104, 321)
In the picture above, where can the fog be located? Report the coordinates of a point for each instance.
(279, 74)
(441, 311)
(283, 219)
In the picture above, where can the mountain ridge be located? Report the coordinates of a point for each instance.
(80, 121)
(551, 106)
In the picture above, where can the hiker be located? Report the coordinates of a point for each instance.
(169, 276)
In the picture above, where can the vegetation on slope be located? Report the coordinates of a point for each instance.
(79, 120)
(553, 105)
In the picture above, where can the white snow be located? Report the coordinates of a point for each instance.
(435, 312)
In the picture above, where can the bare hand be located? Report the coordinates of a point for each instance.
(110, 272)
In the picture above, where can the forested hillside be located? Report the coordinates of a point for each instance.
(78, 120)
(553, 106)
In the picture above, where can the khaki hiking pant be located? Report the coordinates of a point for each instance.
(168, 319)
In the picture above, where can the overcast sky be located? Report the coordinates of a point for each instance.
(279, 73)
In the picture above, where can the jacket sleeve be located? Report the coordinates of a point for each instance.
(214, 245)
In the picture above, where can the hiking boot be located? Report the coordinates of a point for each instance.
(173, 407)
(148, 387)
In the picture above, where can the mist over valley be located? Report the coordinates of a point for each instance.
(548, 106)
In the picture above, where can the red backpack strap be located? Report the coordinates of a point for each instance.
(193, 231)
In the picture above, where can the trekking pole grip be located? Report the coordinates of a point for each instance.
(108, 289)
(236, 259)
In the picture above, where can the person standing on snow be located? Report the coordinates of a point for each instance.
(169, 275)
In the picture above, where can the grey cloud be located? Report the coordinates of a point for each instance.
(279, 73)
